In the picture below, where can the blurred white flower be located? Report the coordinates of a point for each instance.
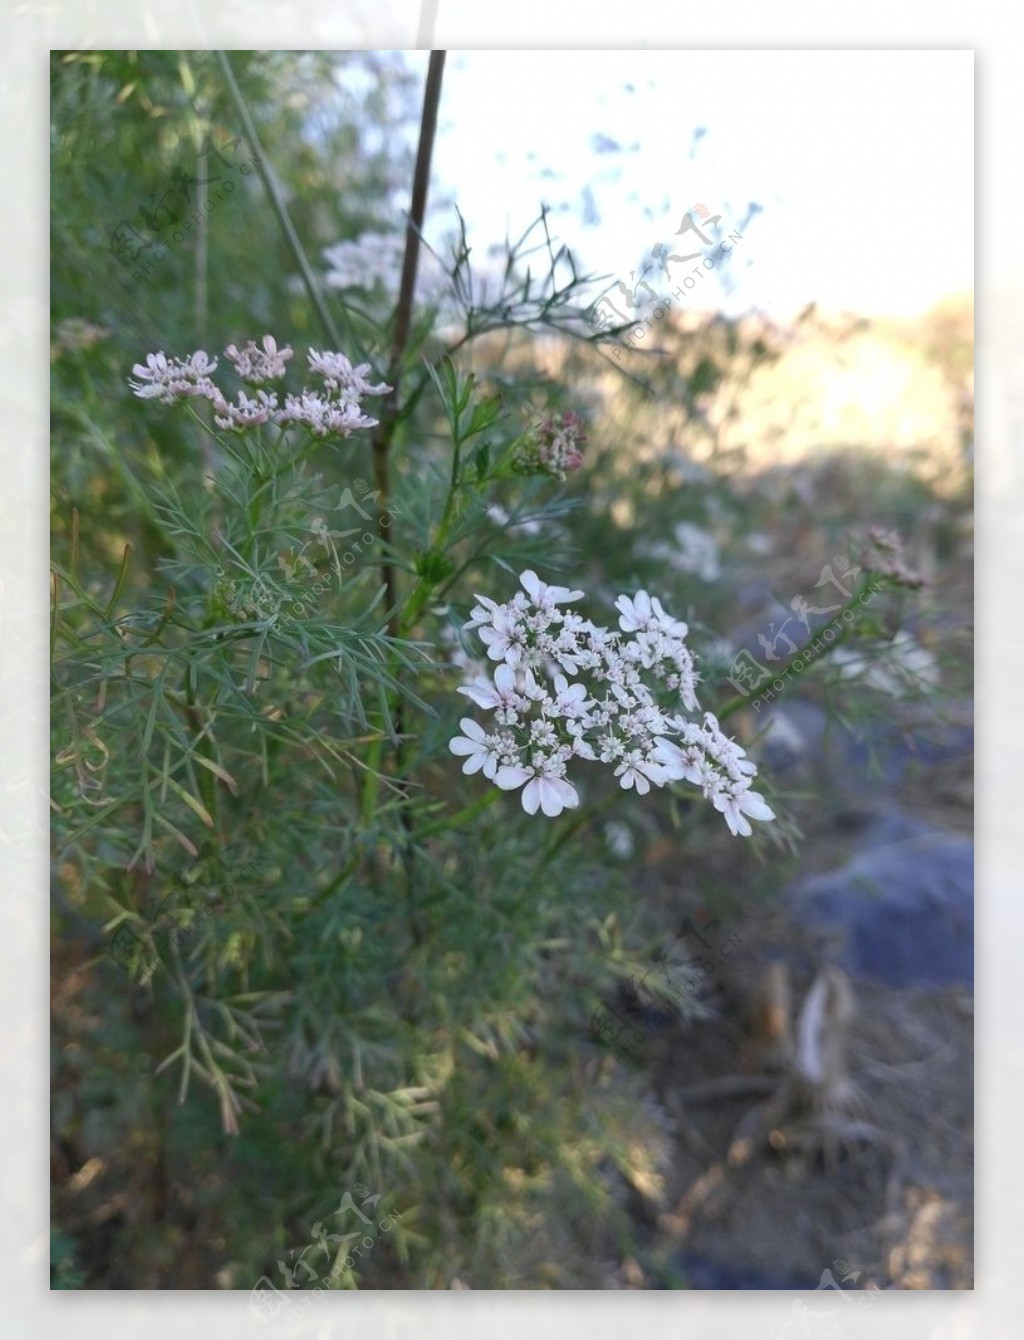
(694, 552)
(374, 259)
(528, 526)
(759, 543)
(620, 839)
(697, 552)
(362, 262)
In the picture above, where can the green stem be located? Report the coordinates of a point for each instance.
(468, 812)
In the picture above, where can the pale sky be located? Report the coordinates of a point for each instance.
(862, 163)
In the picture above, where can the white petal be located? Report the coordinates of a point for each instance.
(531, 796)
(742, 828)
(481, 692)
(754, 805)
(509, 777)
(556, 795)
(505, 679)
(531, 584)
(561, 594)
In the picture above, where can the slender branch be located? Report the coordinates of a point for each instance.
(384, 435)
(382, 442)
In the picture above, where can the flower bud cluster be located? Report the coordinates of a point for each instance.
(565, 688)
(883, 553)
(554, 447)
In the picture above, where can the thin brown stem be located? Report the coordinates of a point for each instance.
(385, 433)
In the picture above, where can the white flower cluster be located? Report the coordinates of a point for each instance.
(255, 365)
(372, 258)
(374, 261)
(334, 411)
(695, 551)
(566, 688)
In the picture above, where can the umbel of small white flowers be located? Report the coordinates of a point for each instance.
(564, 689)
(332, 410)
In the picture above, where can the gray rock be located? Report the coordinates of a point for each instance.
(801, 740)
(902, 907)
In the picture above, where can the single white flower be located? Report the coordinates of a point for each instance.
(675, 628)
(637, 771)
(581, 747)
(635, 615)
(505, 638)
(201, 365)
(544, 790)
(479, 749)
(680, 764)
(736, 804)
(570, 699)
(506, 692)
(482, 613)
(543, 596)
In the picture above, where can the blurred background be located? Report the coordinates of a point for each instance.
(809, 1107)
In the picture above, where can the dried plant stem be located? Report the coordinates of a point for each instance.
(384, 437)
